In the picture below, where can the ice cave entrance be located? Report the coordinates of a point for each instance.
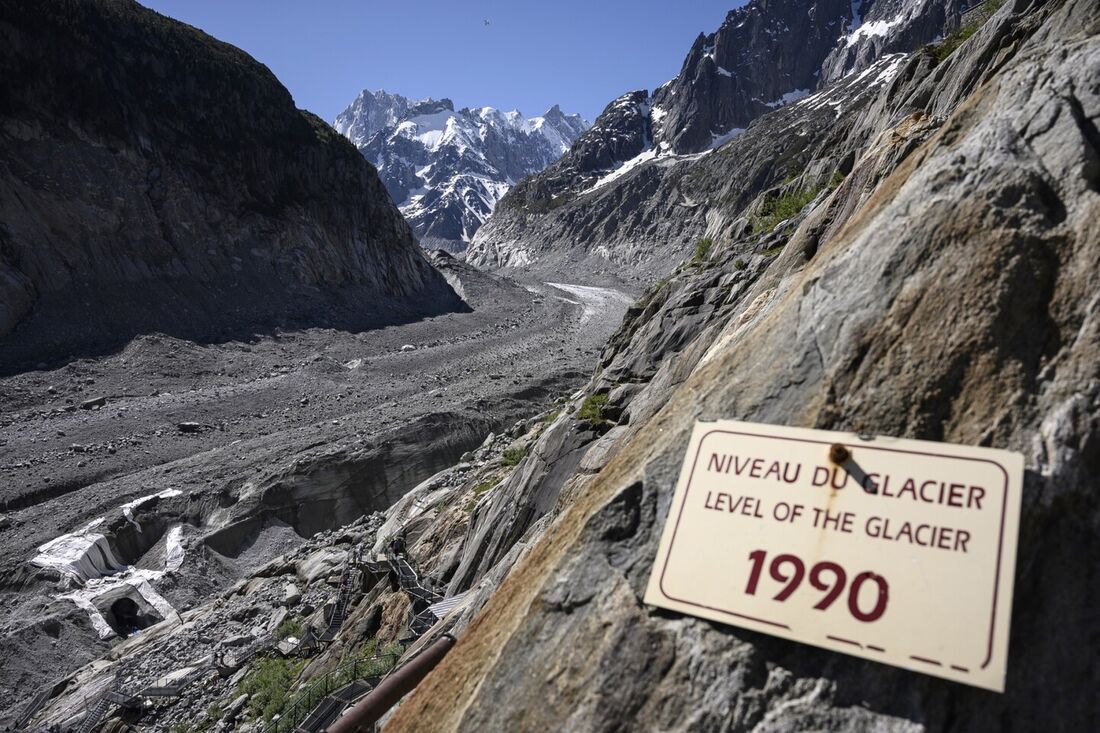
(126, 611)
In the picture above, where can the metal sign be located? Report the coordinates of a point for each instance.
(899, 551)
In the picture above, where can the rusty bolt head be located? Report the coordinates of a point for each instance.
(838, 454)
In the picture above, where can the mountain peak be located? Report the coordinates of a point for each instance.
(445, 169)
(430, 106)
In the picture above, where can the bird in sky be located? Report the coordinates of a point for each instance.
(487, 23)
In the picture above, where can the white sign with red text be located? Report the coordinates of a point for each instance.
(903, 553)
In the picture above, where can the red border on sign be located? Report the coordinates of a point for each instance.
(687, 490)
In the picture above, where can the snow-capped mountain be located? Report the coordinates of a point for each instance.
(777, 59)
(445, 168)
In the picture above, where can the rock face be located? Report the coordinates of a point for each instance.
(447, 169)
(956, 186)
(639, 221)
(761, 56)
(879, 27)
(971, 198)
(634, 194)
(156, 179)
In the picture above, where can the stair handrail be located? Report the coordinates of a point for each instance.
(319, 689)
(36, 703)
(98, 708)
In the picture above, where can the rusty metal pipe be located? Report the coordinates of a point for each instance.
(361, 717)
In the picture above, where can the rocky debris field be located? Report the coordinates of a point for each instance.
(248, 656)
(251, 447)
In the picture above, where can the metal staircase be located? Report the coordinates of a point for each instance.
(422, 595)
(174, 688)
(98, 709)
(34, 706)
(322, 701)
(330, 708)
(340, 608)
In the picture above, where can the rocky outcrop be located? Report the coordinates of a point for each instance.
(447, 169)
(909, 253)
(156, 179)
(634, 195)
(972, 199)
(762, 55)
(879, 27)
(639, 223)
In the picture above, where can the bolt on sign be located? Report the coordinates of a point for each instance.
(900, 551)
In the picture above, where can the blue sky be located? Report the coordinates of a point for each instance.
(577, 53)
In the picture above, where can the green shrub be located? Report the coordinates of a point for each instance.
(551, 416)
(512, 456)
(836, 180)
(702, 249)
(374, 663)
(773, 250)
(362, 663)
(592, 408)
(781, 208)
(651, 293)
(289, 627)
(739, 264)
(268, 685)
(484, 486)
(956, 38)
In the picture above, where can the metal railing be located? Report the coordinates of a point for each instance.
(302, 703)
(99, 707)
(35, 705)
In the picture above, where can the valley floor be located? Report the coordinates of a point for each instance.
(212, 421)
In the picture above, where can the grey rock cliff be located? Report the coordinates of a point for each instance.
(761, 52)
(634, 195)
(155, 179)
(972, 199)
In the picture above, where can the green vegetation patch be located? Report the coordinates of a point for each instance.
(783, 207)
(512, 456)
(651, 293)
(291, 626)
(702, 249)
(269, 683)
(484, 486)
(592, 408)
(956, 38)
(369, 662)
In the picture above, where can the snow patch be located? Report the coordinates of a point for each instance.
(173, 549)
(854, 84)
(880, 28)
(718, 140)
(640, 159)
(788, 98)
(593, 298)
